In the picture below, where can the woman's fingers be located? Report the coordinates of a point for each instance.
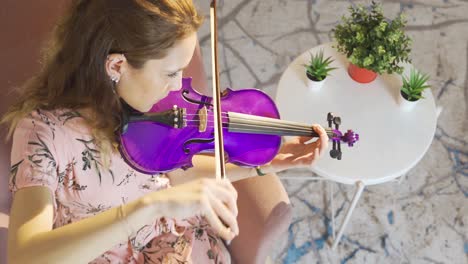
(222, 211)
(227, 194)
(220, 207)
(302, 139)
(215, 222)
(316, 155)
(323, 137)
(215, 214)
(230, 187)
(310, 158)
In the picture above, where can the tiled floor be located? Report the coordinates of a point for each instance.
(421, 220)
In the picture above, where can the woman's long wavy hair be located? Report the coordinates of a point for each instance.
(73, 74)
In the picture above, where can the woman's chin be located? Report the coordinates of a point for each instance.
(149, 108)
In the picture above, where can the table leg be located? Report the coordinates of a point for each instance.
(332, 204)
(360, 187)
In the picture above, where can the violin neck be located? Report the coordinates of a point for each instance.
(245, 123)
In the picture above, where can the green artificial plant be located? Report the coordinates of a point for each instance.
(371, 41)
(414, 85)
(318, 67)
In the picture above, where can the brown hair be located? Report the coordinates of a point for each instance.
(73, 74)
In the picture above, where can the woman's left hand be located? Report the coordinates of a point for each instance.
(295, 154)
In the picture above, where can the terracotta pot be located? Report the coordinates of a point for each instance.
(361, 75)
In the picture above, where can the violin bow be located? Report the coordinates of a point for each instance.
(218, 128)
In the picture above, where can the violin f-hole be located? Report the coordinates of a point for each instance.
(193, 101)
(195, 141)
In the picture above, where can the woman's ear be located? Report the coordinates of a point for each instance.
(115, 66)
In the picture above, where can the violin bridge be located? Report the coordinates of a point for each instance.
(202, 116)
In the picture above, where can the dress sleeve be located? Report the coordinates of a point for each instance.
(33, 154)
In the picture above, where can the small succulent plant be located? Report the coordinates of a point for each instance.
(318, 67)
(414, 85)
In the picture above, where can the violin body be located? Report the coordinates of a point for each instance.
(154, 147)
(241, 127)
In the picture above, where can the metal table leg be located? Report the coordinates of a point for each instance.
(360, 187)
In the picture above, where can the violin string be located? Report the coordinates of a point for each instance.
(274, 131)
(258, 122)
(266, 125)
(259, 125)
(266, 120)
(258, 118)
(276, 122)
(248, 117)
(264, 129)
(280, 132)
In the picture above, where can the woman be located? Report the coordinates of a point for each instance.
(75, 200)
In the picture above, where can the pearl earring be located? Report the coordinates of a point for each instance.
(115, 79)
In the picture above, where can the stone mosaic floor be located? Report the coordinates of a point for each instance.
(421, 220)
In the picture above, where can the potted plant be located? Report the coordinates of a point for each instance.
(372, 43)
(412, 88)
(317, 70)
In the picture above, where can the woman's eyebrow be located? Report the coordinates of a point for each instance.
(183, 68)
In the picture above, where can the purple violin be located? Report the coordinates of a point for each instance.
(181, 125)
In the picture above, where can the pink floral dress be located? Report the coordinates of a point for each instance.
(55, 149)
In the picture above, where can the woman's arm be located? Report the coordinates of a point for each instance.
(31, 238)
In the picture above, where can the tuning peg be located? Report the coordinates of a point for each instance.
(334, 153)
(330, 117)
(339, 150)
(337, 120)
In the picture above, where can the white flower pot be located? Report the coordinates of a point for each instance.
(315, 85)
(406, 105)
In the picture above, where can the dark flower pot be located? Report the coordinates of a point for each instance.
(312, 78)
(361, 75)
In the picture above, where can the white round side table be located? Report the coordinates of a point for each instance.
(392, 140)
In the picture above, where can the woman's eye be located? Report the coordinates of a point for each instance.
(173, 75)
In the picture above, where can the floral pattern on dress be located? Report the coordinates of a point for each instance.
(91, 156)
(49, 149)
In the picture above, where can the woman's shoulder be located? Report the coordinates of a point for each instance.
(53, 116)
(60, 123)
(69, 120)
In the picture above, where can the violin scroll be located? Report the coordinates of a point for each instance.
(349, 137)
